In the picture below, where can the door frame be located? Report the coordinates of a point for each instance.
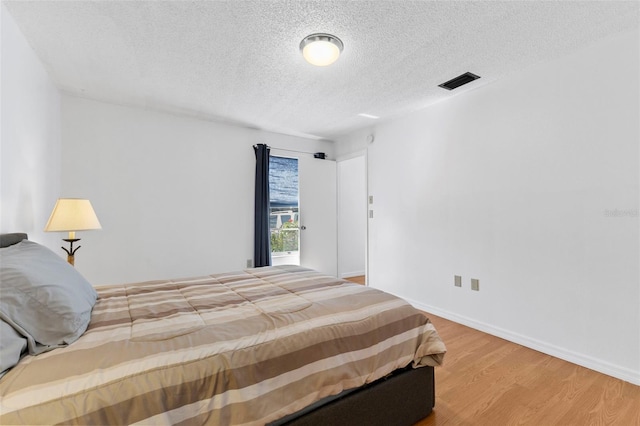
(360, 153)
(303, 157)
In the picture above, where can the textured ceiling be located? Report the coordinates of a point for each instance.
(238, 61)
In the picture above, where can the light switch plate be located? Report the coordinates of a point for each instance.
(370, 199)
(457, 280)
(370, 214)
(475, 284)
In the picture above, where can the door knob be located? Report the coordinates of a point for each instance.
(303, 227)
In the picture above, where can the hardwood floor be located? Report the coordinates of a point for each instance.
(358, 280)
(486, 380)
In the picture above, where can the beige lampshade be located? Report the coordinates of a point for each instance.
(72, 214)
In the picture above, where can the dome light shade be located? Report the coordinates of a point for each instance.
(321, 49)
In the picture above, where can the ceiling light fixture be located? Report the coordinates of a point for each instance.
(321, 49)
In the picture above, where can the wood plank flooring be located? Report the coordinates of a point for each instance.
(486, 380)
(489, 381)
(361, 279)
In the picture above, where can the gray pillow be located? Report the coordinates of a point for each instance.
(43, 297)
(12, 345)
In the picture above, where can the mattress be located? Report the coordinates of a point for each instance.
(242, 348)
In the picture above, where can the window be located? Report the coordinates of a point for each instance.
(283, 208)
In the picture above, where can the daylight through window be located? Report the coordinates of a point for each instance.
(283, 208)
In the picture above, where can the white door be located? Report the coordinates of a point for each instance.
(318, 214)
(352, 216)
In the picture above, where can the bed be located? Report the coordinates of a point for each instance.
(279, 345)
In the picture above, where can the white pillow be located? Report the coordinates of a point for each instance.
(43, 297)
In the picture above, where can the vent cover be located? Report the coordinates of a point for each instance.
(465, 78)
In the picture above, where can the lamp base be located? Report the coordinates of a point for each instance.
(71, 252)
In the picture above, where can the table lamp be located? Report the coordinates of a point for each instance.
(72, 214)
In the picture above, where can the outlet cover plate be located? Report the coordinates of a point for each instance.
(457, 280)
(475, 284)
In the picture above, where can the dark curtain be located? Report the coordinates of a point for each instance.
(262, 238)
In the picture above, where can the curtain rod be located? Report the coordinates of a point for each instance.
(288, 150)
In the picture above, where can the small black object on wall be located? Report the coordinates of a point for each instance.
(319, 155)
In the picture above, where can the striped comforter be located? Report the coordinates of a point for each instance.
(239, 348)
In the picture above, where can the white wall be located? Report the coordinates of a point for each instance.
(352, 216)
(174, 194)
(30, 139)
(530, 184)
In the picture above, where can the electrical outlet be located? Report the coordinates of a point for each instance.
(475, 284)
(249, 263)
(457, 280)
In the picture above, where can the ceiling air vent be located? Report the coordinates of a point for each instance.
(465, 78)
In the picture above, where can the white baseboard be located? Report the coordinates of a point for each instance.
(604, 367)
(351, 274)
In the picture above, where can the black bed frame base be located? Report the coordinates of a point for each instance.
(403, 398)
